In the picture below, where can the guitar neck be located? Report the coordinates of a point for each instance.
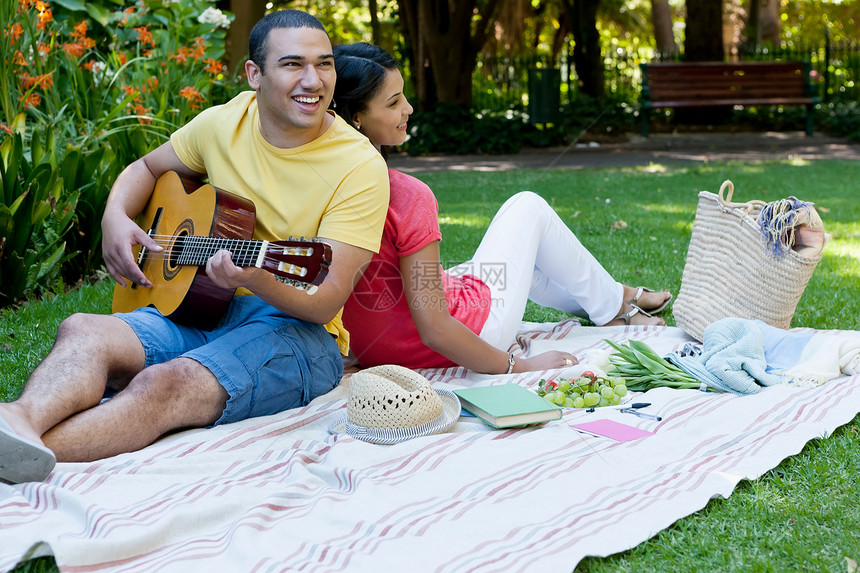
(196, 250)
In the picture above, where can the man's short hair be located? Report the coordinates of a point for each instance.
(257, 43)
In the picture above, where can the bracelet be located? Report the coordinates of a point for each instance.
(511, 363)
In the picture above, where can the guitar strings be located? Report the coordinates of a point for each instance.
(194, 250)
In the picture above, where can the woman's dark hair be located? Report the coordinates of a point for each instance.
(361, 69)
(257, 43)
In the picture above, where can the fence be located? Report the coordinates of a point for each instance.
(502, 83)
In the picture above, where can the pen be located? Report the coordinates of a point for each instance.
(640, 414)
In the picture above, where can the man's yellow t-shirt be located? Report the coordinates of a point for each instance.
(335, 187)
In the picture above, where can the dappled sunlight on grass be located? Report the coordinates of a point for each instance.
(673, 208)
(655, 168)
(465, 221)
(848, 256)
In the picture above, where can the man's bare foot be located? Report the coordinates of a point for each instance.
(650, 301)
(633, 316)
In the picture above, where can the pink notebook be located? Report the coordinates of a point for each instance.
(611, 429)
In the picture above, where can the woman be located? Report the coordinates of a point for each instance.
(406, 310)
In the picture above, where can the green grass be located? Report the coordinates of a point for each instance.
(804, 514)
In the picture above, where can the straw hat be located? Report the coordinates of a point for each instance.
(390, 404)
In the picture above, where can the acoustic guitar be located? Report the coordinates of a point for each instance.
(193, 221)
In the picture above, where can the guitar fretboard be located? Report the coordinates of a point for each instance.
(196, 250)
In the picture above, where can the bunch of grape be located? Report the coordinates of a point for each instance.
(586, 391)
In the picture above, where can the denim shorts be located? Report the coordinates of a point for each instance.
(266, 360)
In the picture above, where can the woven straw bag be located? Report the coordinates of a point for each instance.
(730, 272)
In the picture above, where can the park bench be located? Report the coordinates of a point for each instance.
(717, 84)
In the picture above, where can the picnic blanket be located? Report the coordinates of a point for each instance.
(281, 493)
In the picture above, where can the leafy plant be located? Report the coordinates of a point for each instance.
(841, 119)
(643, 369)
(459, 130)
(89, 87)
(35, 214)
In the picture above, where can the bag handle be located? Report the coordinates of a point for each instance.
(749, 206)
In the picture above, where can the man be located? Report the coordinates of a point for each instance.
(309, 174)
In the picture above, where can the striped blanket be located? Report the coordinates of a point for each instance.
(281, 493)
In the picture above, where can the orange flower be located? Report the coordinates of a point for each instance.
(181, 55)
(80, 30)
(24, 5)
(44, 49)
(199, 48)
(32, 100)
(126, 13)
(122, 57)
(144, 36)
(76, 49)
(139, 110)
(45, 81)
(214, 67)
(15, 32)
(45, 14)
(193, 96)
(4, 127)
(18, 59)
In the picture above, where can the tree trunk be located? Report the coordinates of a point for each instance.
(444, 47)
(753, 29)
(248, 13)
(419, 64)
(769, 22)
(664, 37)
(703, 40)
(375, 34)
(586, 48)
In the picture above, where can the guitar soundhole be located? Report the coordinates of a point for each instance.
(173, 256)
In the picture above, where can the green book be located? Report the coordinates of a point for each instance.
(507, 405)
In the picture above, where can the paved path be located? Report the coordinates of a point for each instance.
(665, 149)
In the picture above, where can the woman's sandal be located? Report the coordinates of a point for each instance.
(629, 315)
(651, 311)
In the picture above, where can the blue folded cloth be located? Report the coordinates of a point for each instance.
(732, 358)
(740, 356)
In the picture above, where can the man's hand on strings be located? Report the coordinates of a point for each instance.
(119, 235)
(221, 270)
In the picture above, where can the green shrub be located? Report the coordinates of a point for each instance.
(458, 130)
(88, 87)
(35, 214)
(840, 119)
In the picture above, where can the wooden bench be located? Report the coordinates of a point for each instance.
(717, 84)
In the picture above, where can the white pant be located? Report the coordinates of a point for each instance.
(529, 253)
